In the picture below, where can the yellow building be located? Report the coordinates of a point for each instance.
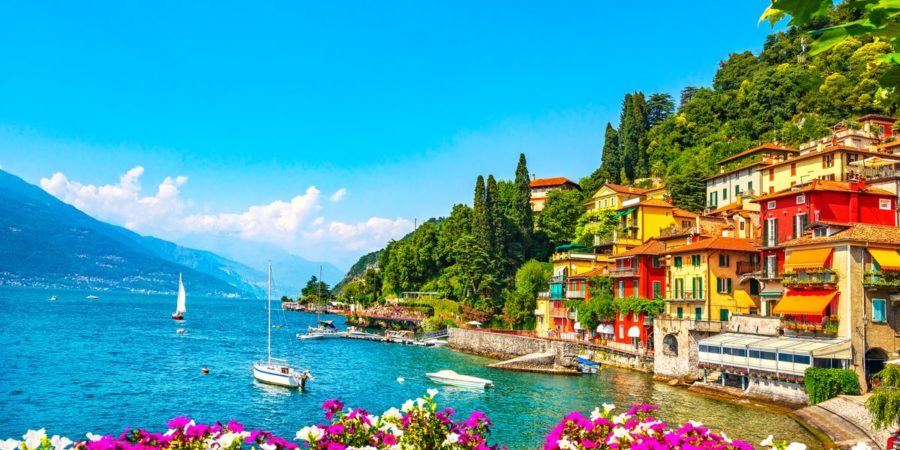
(823, 162)
(612, 196)
(642, 220)
(703, 279)
(659, 192)
(552, 317)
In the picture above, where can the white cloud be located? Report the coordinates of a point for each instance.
(284, 223)
(338, 195)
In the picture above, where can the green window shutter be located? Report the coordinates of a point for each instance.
(729, 285)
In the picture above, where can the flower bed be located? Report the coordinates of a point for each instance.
(419, 424)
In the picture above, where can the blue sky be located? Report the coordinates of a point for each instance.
(401, 104)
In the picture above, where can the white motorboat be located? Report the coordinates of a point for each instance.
(53, 298)
(277, 371)
(325, 330)
(92, 297)
(454, 379)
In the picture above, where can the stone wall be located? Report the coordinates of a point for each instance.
(778, 391)
(505, 346)
(682, 363)
(767, 326)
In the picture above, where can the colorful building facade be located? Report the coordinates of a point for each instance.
(541, 187)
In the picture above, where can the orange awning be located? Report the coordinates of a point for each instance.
(805, 303)
(743, 300)
(887, 259)
(807, 259)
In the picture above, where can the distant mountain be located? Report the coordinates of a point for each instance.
(47, 243)
(290, 272)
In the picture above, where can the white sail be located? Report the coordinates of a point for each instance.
(180, 308)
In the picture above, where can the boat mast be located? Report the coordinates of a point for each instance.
(319, 297)
(269, 304)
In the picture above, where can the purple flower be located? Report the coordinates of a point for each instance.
(179, 422)
(235, 427)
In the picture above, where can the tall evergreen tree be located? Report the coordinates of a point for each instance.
(659, 108)
(641, 127)
(610, 160)
(522, 214)
(496, 218)
(480, 219)
(627, 143)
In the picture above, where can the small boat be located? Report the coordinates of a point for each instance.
(92, 297)
(586, 365)
(454, 379)
(53, 298)
(180, 308)
(181, 331)
(435, 342)
(277, 371)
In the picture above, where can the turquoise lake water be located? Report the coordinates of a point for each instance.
(76, 365)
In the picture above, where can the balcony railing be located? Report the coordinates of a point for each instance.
(713, 326)
(745, 267)
(819, 279)
(544, 295)
(559, 313)
(685, 296)
(872, 174)
(575, 293)
(604, 240)
(538, 312)
(882, 280)
(811, 329)
(620, 272)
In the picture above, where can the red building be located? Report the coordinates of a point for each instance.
(787, 214)
(639, 272)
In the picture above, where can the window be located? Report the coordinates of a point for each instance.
(767, 355)
(697, 285)
(677, 261)
(634, 289)
(724, 194)
(657, 289)
(713, 198)
(655, 261)
(680, 312)
(771, 175)
(801, 221)
(771, 204)
(821, 232)
(724, 260)
(698, 313)
(723, 285)
(793, 169)
(739, 352)
(727, 350)
(801, 199)
(737, 190)
(621, 331)
(621, 289)
(879, 310)
(771, 266)
(771, 232)
(884, 204)
(828, 161)
(723, 315)
(679, 288)
(754, 354)
(801, 359)
(785, 357)
(741, 225)
(695, 260)
(634, 316)
(750, 187)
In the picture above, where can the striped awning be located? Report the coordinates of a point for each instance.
(887, 259)
(807, 259)
(813, 302)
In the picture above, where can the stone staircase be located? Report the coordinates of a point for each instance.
(845, 420)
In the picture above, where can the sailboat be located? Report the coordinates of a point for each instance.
(277, 371)
(324, 328)
(179, 305)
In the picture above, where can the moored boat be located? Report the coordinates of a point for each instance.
(277, 371)
(92, 297)
(452, 378)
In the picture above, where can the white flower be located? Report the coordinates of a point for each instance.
(861, 446)
(267, 446)
(451, 439)
(767, 442)
(565, 444)
(796, 446)
(9, 444)
(170, 432)
(595, 414)
(226, 439)
(620, 419)
(695, 424)
(96, 437)
(432, 393)
(393, 413)
(189, 424)
(310, 434)
(420, 402)
(607, 407)
(60, 443)
(407, 406)
(619, 432)
(726, 438)
(33, 438)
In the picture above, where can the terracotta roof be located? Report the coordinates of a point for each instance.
(550, 182)
(877, 117)
(750, 151)
(823, 185)
(678, 212)
(625, 189)
(600, 271)
(651, 247)
(891, 144)
(718, 243)
(856, 232)
(656, 202)
(832, 149)
(738, 169)
(728, 207)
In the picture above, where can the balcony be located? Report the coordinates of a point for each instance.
(574, 294)
(829, 329)
(557, 279)
(745, 267)
(669, 322)
(684, 297)
(889, 280)
(571, 256)
(810, 279)
(623, 272)
(872, 173)
(559, 313)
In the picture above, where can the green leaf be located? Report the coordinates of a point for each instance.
(801, 11)
(827, 40)
(891, 78)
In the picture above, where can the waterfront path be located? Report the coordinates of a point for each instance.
(845, 420)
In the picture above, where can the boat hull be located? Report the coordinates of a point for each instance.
(177, 316)
(270, 375)
(465, 383)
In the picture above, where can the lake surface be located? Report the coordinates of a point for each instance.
(76, 365)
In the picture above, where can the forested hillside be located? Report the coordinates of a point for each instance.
(783, 94)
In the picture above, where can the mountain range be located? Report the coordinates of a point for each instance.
(47, 243)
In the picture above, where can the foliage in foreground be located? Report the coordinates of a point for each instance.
(884, 404)
(824, 384)
(419, 424)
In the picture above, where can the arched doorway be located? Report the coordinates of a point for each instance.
(875, 358)
(670, 345)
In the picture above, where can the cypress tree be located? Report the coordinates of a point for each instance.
(494, 213)
(480, 219)
(627, 139)
(610, 159)
(522, 214)
(641, 127)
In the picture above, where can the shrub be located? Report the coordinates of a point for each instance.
(824, 384)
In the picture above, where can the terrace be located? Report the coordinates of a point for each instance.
(810, 279)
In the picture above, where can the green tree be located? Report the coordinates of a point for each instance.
(560, 215)
(884, 404)
(611, 158)
(496, 220)
(315, 289)
(596, 222)
(521, 213)
(531, 278)
(481, 220)
(659, 108)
